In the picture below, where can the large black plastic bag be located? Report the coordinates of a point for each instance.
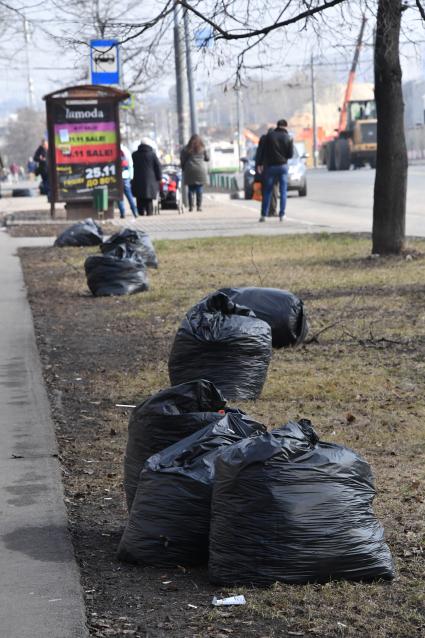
(282, 310)
(85, 233)
(165, 418)
(138, 240)
(121, 272)
(170, 517)
(287, 507)
(225, 343)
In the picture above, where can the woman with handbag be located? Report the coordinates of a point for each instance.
(193, 159)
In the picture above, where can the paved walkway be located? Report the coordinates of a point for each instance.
(221, 217)
(39, 580)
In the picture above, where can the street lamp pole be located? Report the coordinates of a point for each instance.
(189, 72)
(239, 122)
(313, 102)
(180, 79)
(28, 65)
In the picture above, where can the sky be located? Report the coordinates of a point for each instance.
(55, 62)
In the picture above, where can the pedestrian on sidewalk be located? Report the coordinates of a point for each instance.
(127, 176)
(275, 192)
(40, 158)
(147, 173)
(193, 160)
(14, 171)
(277, 149)
(31, 168)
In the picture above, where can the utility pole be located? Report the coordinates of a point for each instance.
(239, 122)
(180, 79)
(189, 72)
(181, 91)
(313, 102)
(170, 136)
(27, 61)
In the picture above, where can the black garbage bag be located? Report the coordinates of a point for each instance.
(138, 240)
(288, 507)
(165, 418)
(282, 310)
(85, 233)
(120, 272)
(225, 343)
(170, 517)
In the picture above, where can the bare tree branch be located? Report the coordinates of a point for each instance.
(315, 337)
(9, 7)
(227, 35)
(374, 342)
(421, 9)
(255, 265)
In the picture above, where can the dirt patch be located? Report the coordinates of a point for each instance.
(49, 230)
(361, 382)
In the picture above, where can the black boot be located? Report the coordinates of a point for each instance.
(190, 201)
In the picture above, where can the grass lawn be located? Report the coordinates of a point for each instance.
(360, 380)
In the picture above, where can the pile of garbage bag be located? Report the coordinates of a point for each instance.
(282, 310)
(225, 343)
(118, 272)
(170, 516)
(85, 233)
(136, 240)
(288, 507)
(165, 418)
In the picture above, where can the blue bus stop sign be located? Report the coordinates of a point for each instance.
(204, 38)
(104, 62)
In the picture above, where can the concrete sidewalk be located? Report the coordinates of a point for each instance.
(39, 580)
(221, 217)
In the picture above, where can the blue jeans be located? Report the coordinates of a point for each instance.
(195, 189)
(127, 192)
(279, 173)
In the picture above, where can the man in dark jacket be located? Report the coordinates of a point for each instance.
(40, 158)
(276, 149)
(275, 191)
(147, 174)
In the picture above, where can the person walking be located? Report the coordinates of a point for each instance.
(275, 191)
(14, 171)
(127, 176)
(276, 150)
(40, 158)
(147, 173)
(193, 160)
(31, 168)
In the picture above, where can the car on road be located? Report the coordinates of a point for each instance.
(297, 178)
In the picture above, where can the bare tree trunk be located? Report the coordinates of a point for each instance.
(389, 207)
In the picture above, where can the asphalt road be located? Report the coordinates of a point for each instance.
(343, 200)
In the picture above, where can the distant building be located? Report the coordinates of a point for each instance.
(414, 103)
(328, 108)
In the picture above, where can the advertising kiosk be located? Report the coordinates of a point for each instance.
(84, 149)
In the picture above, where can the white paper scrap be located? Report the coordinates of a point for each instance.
(232, 600)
